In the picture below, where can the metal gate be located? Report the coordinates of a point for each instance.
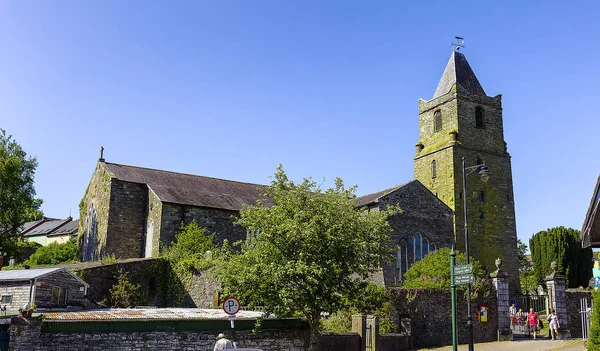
(539, 303)
(586, 312)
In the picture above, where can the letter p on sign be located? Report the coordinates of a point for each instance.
(231, 305)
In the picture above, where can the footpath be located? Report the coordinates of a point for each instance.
(523, 345)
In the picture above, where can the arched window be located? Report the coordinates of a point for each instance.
(418, 248)
(411, 247)
(425, 247)
(433, 169)
(404, 250)
(437, 121)
(479, 117)
(149, 238)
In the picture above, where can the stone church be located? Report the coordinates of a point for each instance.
(130, 211)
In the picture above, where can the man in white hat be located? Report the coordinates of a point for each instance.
(223, 343)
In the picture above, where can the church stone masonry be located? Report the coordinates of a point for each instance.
(471, 127)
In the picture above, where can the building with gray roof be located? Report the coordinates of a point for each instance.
(44, 288)
(48, 230)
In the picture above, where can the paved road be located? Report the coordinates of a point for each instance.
(523, 345)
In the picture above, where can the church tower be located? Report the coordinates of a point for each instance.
(462, 121)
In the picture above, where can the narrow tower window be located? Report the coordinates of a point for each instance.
(479, 118)
(482, 196)
(433, 169)
(437, 121)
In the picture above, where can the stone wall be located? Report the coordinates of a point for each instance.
(216, 221)
(430, 313)
(422, 214)
(153, 226)
(27, 335)
(150, 274)
(157, 281)
(573, 299)
(75, 290)
(93, 215)
(394, 342)
(339, 342)
(127, 219)
(19, 292)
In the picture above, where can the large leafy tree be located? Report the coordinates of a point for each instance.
(433, 271)
(312, 252)
(17, 194)
(562, 245)
(527, 278)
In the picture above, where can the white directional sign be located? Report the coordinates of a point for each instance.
(460, 269)
(464, 279)
(231, 305)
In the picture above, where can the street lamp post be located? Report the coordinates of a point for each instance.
(485, 174)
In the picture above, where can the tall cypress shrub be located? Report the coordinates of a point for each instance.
(562, 245)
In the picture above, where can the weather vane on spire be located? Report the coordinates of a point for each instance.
(459, 44)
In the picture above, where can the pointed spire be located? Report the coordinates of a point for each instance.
(458, 72)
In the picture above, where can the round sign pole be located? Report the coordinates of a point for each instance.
(232, 306)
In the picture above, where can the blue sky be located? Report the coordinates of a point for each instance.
(230, 89)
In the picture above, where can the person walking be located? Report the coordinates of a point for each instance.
(512, 311)
(554, 324)
(223, 343)
(521, 319)
(532, 317)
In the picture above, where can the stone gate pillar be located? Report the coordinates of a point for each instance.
(500, 281)
(359, 325)
(557, 298)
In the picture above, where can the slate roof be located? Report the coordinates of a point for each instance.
(458, 72)
(50, 227)
(188, 189)
(373, 197)
(25, 274)
(70, 228)
(47, 227)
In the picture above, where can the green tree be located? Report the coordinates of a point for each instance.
(527, 278)
(562, 245)
(433, 272)
(124, 294)
(54, 253)
(374, 300)
(186, 255)
(17, 194)
(524, 262)
(312, 250)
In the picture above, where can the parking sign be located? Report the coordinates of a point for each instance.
(231, 305)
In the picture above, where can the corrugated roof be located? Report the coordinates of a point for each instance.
(25, 274)
(458, 71)
(148, 313)
(193, 190)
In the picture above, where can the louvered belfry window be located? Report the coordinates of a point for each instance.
(437, 121)
(479, 118)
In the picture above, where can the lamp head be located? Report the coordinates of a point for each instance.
(484, 172)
